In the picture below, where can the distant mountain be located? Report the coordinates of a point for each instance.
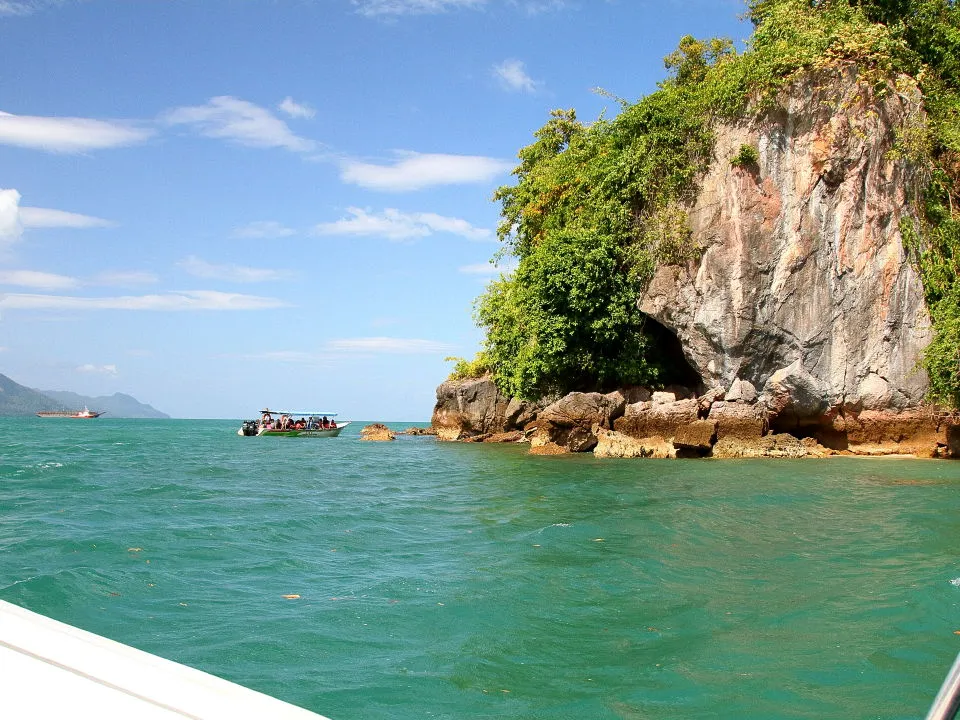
(15, 399)
(116, 405)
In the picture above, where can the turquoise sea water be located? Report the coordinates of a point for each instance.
(465, 581)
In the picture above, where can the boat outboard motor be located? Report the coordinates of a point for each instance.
(249, 428)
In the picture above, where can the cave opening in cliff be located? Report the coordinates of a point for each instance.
(677, 369)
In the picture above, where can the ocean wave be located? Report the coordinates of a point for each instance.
(39, 466)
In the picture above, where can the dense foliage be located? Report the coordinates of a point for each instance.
(464, 369)
(595, 209)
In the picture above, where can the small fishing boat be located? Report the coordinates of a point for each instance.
(84, 414)
(285, 423)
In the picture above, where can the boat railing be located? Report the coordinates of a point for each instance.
(947, 702)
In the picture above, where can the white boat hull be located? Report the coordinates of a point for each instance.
(53, 670)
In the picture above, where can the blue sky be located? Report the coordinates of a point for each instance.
(216, 205)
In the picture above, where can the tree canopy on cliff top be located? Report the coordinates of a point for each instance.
(596, 208)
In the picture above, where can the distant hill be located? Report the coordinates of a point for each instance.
(16, 399)
(116, 405)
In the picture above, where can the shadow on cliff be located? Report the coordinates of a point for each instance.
(677, 370)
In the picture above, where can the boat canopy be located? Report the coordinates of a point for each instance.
(303, 413)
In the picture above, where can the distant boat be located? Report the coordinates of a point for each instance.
(292, 424)
(84, 414)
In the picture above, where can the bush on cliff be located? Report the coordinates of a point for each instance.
(935, 246)
(464, 369)
(567, 319)
(596, 209)
(593, 213)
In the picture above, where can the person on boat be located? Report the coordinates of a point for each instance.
(267, 421)
(301, 424)
(325, 424)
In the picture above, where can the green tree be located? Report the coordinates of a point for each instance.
(567, 319)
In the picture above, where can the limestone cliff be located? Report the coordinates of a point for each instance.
(803, 316)
(803, 274)
(475, 408)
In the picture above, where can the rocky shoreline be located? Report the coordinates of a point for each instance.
(738, 422)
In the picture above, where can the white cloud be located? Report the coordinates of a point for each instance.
(415, 171)
(32, 217)
(98, 369)
(51, 281)
(291, 356)
(119, 278)
(25, 7)
(395, 8)
(396, 225)
(69, 134)
(12, 7)
(478, 269)
(535, 7)
(263, 230)
(454, 226)
(240, 121)
(11, 229)
(295, 109)
(232, 273)
(392, 224)
(388, 345)
(37, 280)
(184, 300)
(380, 8)
(14, 219)
(487, 268)
(513, 76)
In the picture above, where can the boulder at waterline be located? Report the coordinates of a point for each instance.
(377, 432)
(571, 422)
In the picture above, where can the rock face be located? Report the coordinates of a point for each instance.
(701, 426)
(418, 431)
(953, 441)
(467, 408)
(475, 407)
(782, 446)
(612, 444)
(804, 288)
(738, 420)
(572, 422)
(697, 438)
(377, 432)
(643, 420)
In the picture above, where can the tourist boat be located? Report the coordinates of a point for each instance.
(284, 423)
(75, 414)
